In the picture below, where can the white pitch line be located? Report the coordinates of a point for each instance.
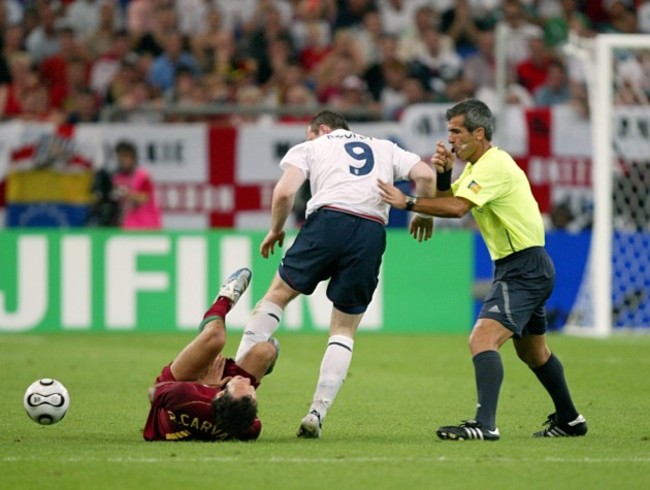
(303, 460)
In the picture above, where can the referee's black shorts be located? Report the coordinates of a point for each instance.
(344, 248)
(522, 283)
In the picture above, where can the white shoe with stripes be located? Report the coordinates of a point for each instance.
(467, 431)
(235, 285)
(311, 426)
(577, 427)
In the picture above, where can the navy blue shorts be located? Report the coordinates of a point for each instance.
(522, 283)
(344, 248)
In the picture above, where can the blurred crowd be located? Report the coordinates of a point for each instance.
(74, 60)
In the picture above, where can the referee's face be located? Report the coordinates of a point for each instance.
(465, 144)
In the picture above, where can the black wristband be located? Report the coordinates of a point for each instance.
(443, 181)
(410, 202)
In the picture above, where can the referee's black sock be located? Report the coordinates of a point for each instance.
(488, 370)
(551, 375)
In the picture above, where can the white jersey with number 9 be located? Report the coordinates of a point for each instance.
(343, 168)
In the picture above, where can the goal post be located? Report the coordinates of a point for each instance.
(614, 294)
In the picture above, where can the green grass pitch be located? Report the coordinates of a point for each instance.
(379, 434)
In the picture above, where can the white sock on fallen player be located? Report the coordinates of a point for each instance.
(333, 371)
(262, 324)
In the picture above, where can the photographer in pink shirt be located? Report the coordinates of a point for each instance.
(135, 191)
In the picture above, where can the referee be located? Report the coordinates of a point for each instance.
(497, 192)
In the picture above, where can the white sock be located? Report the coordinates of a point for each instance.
(333, 371)
(262, 324)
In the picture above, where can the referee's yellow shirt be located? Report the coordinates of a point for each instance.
(505, 210)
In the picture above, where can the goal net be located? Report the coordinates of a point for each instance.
(615, 291)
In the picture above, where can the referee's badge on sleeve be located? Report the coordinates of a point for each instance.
(474, 187)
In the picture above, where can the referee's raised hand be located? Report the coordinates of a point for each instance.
(442, 159)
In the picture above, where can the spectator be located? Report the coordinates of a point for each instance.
(310, 27)
(100, 40)
(43, 40)
(84, 16)
(134, 188)
(456, 90)
(225, 60)
(415, 92)
(531, 72)
(12, 42)
(557, 27)
(632, 81)
(300, 97)
(242, 17)
(105, 67)
(193, 16)
(13, 12)
(397, 16)
(368, 35)
(23, 77)
(459, 24)
(436, 64)
(411, 42)
(164, 67)
(85, 108)
(520, 31)
(621, 18)
(556, 89)
(597, 12)
(314, 47)
(31, 19)
(250, 96)
(188, 91)
(343, 60)
(374, 74)
(287, 74)
(201, 43)
(55, 68)
(35, 104)
(354, 96)
(266, 8)
(139, 17)
(480, 67)
(144, 98)
(392, 98)
(643, 17)
(66, 96)
(162, 24)
(270, 35)
(516, 94)
(349, 13)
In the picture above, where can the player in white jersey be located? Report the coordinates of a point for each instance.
(343, 239)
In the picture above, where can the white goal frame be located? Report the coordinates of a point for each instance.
(600, 78)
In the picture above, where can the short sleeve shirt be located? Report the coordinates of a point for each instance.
(343, 168)
(505, 211)
(182, 410)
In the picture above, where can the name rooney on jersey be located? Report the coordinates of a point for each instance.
(349, 136)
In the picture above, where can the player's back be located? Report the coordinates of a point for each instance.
(343, 168)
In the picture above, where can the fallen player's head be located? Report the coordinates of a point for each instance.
(234, 409)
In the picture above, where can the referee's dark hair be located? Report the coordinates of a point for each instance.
(477, 115)
(330, 119)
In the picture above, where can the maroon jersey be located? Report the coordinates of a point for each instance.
(182, 410)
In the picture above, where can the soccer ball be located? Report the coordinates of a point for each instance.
(46, 401)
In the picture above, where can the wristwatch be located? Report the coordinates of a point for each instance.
(410, 202)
